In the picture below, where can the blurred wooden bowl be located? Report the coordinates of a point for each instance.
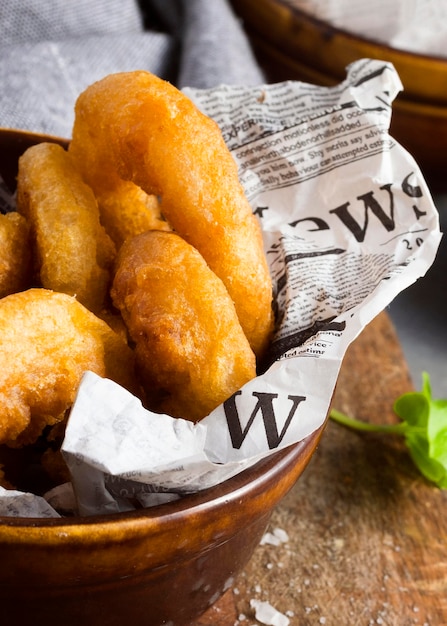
(291, 44)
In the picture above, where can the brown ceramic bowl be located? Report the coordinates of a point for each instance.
(293, 45)
(163, 565)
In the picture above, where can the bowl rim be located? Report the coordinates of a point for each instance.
(24, 132)
(228, 492)
(288, 37)
(31, 135)
(328, 27)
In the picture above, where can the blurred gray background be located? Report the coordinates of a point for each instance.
(419, 316)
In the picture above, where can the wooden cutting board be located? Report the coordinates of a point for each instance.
(367, 535)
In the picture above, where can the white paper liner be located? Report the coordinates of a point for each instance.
(348, 223)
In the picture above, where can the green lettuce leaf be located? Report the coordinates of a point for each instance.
(424, 428)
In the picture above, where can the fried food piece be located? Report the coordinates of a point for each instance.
(113, 318)
(191, 350)
(74, 253)
(15, 254)
(4, 482)
(126, 210)
(47, 341)
(142, 129)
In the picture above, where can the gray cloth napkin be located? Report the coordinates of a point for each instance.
(51, 50)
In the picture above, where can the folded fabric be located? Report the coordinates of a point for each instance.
(51, 51)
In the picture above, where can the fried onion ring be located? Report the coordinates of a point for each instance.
(190, 348)
(142, 129)
(47, 341)
(15, 253)
(125, 209)
(73, 252)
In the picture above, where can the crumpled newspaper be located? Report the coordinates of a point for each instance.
(348, 223)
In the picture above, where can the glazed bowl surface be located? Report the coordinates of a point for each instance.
(162, 565)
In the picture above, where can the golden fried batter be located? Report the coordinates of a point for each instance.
(15, 254)
(4, 482)
(47, 341)
(74, 253)
(142, 129)
(190, 347)
(126, 210)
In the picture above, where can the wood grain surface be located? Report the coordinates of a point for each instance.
(367, 535)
